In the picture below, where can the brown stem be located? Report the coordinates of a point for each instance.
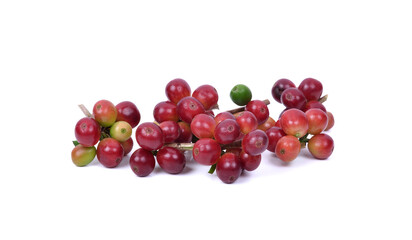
(85, 111)
(323, 99)
(236, 110)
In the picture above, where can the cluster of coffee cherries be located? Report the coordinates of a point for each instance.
(110, 127)
(304, 116)
(229, 142)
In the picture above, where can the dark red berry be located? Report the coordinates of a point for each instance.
(293, 98)
(149, 136)
(128, 112)
(311, 88)
(255, 142)
(249, 162)
(259, 109)
(171, 160)
(170, 130)
(142, 162)
(188, 108)
(280, 86)
(228, 168)
(109, 152)
(206, 151)
(165, 111)
(227, 131)
(203, 126)
(274, 134)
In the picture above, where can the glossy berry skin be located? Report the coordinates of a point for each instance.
(188, 108)
(171, 160)
(247, 121)
(165, 111)
(317, 120)
(321, 146)
(185, 133)
(149, 136)
(87, 132)
(121, 131)
(293, 98)
(170, 130)
(288, 148)
(177, 89)
(223, 116)
(203, 126)
(82, 156)
(207, 95)
(255, 142)
(241, 94)
(109, 152)
(142, 162)
(128, 112)
(235, 151)
(274, 134)
(314, 104)
(105, 113)
(227, 131)
(280, 86)
(311, 88)
(294, 122)
(127, 146)
(228, 168)
(249, 162)
(206, 151)
(270, 122)
(259, 109)
(331, 121)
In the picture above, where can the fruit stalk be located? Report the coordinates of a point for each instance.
(85, 111)
(189, 146)
(323, 99)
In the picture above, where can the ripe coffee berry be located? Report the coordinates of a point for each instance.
(247, 121)
(203, 126)
(170, 130)
(228, 168)
(188, 108)
(87, 132)
(227, 131)
(311, 88)
(171, 160)
(206, 151)
(177, 89)
(207, 95)
(142, 162)
(255, 142)
(280, 86)
(259, 109)
(294, 122)
(288, 148)
(149, 136)
(109, 152)
(165, 111)
(105, 113)
(128, 112)
(321, 146)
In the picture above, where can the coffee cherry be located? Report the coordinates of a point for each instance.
(207, 95)
(331, 121)
(293, 98)
(227, 131)
(280, 86)
(109, 152)
(259, 109)
(127, 146)
(255, 142)
(185, 133)
(206, 151)
(314, 104)
(270, 122)
(121, 131)
(247, 121)
(203, 126)
(142, 162)
(149, 136)
(170, 130)
(171, 160)
(287, 148)
(311, 88)
(274, 134)
(165, 111)
(177, 89)
(82, 156)
(241, 94)
(228, 168)
(321, 146)
(128, 112)
(317, 120)
(105, 113)
(223, 116)
(249, 162)
(188, 108)
(87, 132)
(294, 122)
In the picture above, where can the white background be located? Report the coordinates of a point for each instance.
(57, 54)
